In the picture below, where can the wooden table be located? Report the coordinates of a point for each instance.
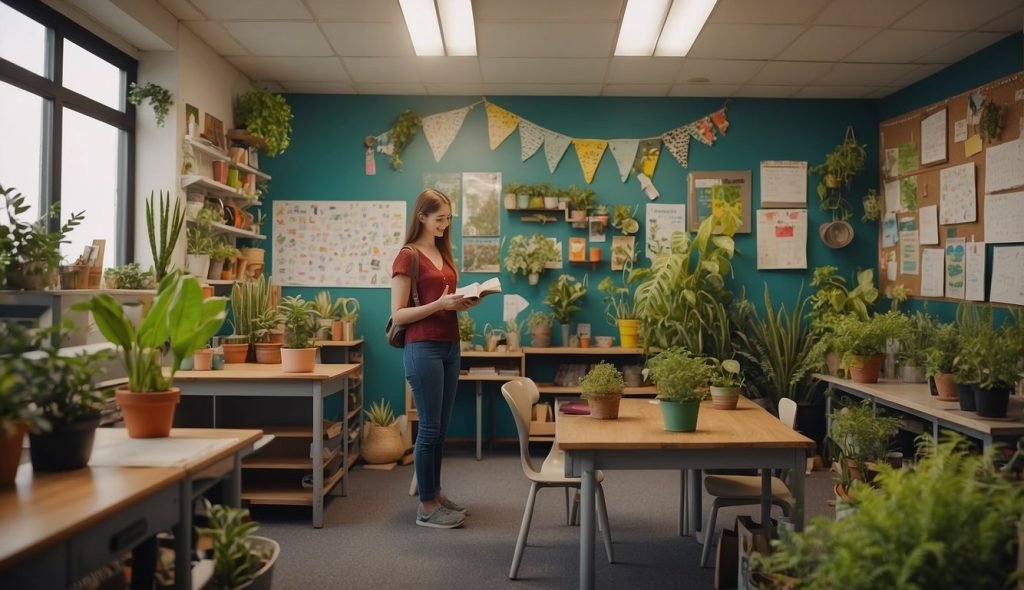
(256, 380)
(915, 399)
(748, 437)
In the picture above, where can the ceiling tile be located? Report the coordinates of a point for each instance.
(319, 87)
(546, 40)
(833, 92)
(636, 90)
(722, 90)
(891, 46)
(547, 11)
(369, 39)
(455, 89)
(1007, 23)
(182, 10)
(961, 47)
(744, 41)
(789, 73)
(719, 71)
(389, 70)
(214, 35)
(544, 71)
(767, 91)
(762, 12)
(827, 43)
(356, 11)
(955, 15)
(401, 88)
(865, 13)
(643, 70)
(844, 74)
(542, 89)
(297, 69)
(253, 9)
(280, 39)
(449, 70)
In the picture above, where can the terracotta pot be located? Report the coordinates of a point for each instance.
(148, 414)
(207, 291)
(584, 341)
(276, 338)
(866, 369)
(298, 360)
(202, 360)
(10, 453)
(541, 338)
(268, 353)
(604, 407)
(595, 254)
(382, 444)
(235, 353)
(945, 387)
(336, 331)
(724, 398)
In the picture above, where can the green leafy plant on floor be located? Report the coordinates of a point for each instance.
(236, 561)
(267, 116)
(158, 96)
(380, 413)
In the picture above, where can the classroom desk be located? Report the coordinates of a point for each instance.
(915, 399)
(747, 437)
(255, 380)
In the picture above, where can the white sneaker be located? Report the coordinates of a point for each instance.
(439, 518)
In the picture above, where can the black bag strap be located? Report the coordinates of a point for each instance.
(415, 276)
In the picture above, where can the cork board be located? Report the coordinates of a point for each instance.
(895, 135)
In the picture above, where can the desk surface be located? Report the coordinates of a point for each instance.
(242, 438)
(916, 397)
(640, 426)
(46, 508)
(259, 372)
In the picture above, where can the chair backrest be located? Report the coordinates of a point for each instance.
(521, 394)
(787, 412)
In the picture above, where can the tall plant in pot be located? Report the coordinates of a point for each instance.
(914, 344)
(682, 381)
(994, 357)
(863, 436)
(540, 328)
(179, 315)
(563, 297)
(863, 342)
(618, 303)
(240, 558)
(250, 301)
(326, 309)
(30, 251)
(345, 318)
(529, 256)
(163, 233)
(602, 388)
(300, 322)
(938, 361)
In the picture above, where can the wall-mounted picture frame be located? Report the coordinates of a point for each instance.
(191, 120)
(707, 191)
(213, 131)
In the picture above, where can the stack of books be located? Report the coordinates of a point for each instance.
(483, 371)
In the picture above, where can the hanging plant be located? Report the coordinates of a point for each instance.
(872, 206)
(841, 165)
(159, 98)
(990, 123)
(266, 116)
(401, 133)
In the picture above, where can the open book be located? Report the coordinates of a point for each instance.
(473, 290)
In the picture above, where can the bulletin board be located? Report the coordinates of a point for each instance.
(899, 131)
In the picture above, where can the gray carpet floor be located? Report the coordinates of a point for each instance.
(370, 540)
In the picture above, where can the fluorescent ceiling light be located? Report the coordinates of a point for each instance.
(685, 21)
(641, 24)
(421, 20)
(457, 23)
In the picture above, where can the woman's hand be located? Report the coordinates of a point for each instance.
(467, 303)
(451, 302)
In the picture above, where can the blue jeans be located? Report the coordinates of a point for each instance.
(432, 369)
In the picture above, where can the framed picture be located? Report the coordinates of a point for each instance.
(213, 131)
(191, 120)
(709, 191)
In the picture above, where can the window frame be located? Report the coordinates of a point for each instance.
(56, 98)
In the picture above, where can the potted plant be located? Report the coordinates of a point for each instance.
(30, 252)
(240, 558)
(863, 342)
(580, 202)
(326, 309)
(128, 276)
(253, 318)
(682, 381)
(163, 234)
(863, 436)
(994, 359)
(513, 331)
(221, 255)
(401, 134)
(467, 330)
(382, 440)
(158, 96)
(266, 116)
(550, 196)
(537, 192)
(540, 328)
(726, 382)
(872, 206)
(624, 219)
(601, 214)
(602, 388)
(511, 189)
(17, 412)
(563, 295)
(529, 256)
(938, 362)
(268, 351)
(618, 304)
(202, 359)
(178, 315)
(830, 302)
(298, 355)
(914, 344)
(841, 166)
(344, 325)
(199, 244)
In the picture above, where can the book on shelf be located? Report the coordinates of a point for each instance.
(483, 371)
(476, 290)
(508, 372)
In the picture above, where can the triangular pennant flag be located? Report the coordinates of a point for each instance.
(530, 139)
(703, 131)
(678, 143)
(624, 152)
(555, 145)
(500, 124)
(441, 129)
(589, 151)
(720, 121)
(647, 155)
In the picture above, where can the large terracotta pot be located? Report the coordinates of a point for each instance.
(235, 353)
(865, 369)
(268, 353)
(148, 414)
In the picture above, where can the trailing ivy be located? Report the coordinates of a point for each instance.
(158, 96)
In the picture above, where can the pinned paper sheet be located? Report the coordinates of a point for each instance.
(974, 271)
(512, 304)
(1007, 275)
(892, 196)
(910, 247)
(955, 256)
(890, 233)
(932, 272)
(891, 266)
(648, 186)
(1004, 218)
(929, 219)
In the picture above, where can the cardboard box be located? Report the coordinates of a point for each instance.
(751, 538)
(726, 560)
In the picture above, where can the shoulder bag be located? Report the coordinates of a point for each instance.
(396, 333)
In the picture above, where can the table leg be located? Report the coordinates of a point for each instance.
(587, 485)
(766, 501)
(318, 456)
(695, 499)
(479, 414)
(233, 485)
(183, 536)
(683, 524)
(796, 487)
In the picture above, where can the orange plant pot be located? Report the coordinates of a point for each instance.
(148, 414)
(10, 453)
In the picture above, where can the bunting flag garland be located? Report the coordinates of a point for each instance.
(500, 124)
(647, 154)
(530, 139)
(589, 152)
(720, 121)
(678, 143)
(441, 129)
(703, 131)
(624, 152)
(555, 145)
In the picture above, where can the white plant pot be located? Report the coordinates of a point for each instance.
(198, 265)
(533, 278)
(551, 202)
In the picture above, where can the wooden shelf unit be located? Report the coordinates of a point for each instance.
(349, 351)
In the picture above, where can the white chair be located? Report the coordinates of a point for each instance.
(521, 394)
(744, 490)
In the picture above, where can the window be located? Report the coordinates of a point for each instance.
(62, 95)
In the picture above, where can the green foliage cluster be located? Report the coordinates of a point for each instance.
(252, 314)
(863, 434)
(602, 379)
(580, 199)
(31, 248)
(940, 354)
(402, 133)
(162, 243)
(528, 256)
(128, 276)
(624, 219)
(266, 116)
(380, 413)
(679, 375)
(158, 96)
(236, 561)
(539, 320)
(564, 295)
(467, 327)
(856, 337)
(300, 321)
(917, 339)
(837, 172)
(726, 373)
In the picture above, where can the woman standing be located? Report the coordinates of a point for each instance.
(431, 345)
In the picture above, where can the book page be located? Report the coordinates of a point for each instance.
(491, 285)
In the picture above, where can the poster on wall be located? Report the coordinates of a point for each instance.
(710, 192)
(449, 183)
(783, 183)
(481, 255)
(337, 243)
(662, 221)
(623, 250)
(781, 238)
(481, 204)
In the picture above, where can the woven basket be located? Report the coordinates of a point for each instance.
(382, 444)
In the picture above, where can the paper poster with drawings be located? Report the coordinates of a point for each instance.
(1007, 275)
(957, 195)
(974, 271)
(931, 272)
(908, 194)
(337, 243)
(781, 238)
(1004, 166)
(929, 220)
(449, 183)
(956, 253)
(1004, 218)
(933, 138)
(662, 221)
(909, 246)
(623, 249)
(481, 204)
(481, 255)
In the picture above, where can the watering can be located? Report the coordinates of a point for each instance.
(492, 336)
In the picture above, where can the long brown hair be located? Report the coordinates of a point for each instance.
(429, 201)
